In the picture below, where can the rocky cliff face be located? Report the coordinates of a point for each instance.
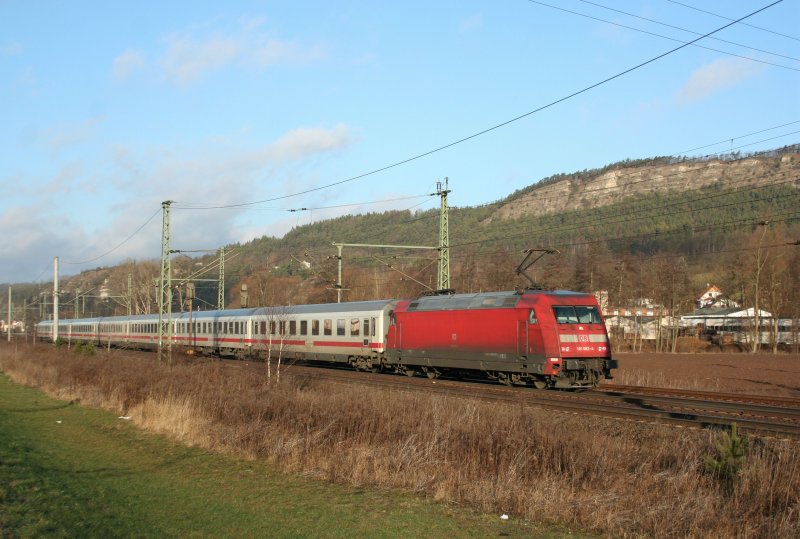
(613, 186)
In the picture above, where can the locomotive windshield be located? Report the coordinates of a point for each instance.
(573, 314)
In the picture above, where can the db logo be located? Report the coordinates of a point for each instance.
(583, 338)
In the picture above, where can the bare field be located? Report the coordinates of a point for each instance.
(758, 374)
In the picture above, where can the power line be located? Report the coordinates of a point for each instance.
(742, 136)
(686, 30)
(190, 206)
(126, 240)
(500, 125)
(685, 43)
(729, 19)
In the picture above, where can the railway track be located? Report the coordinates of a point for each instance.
(754, 415)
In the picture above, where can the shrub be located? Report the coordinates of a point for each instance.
(730, 453)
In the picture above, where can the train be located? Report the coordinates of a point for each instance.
(541, 339)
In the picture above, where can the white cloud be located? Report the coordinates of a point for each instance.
(12, 48)
(471, 23)
(62, 136)
(126, 63)
(304, 142)
(186, 60)
(714, 77)
(273, 51)
(80, 212)
(210, 176)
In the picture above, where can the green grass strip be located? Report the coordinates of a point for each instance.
(68, 471)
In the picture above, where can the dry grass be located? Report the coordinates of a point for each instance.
(612, 477)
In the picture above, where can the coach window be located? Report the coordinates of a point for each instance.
(340, 326)
(374, 328)
(366, 327)
(315, 327)
(303, 327)
(292, 327)
(327, 326)
(355, 327)
(272, 326)
(532, 317)
(264, 327)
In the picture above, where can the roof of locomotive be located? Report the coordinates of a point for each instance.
(482, 300)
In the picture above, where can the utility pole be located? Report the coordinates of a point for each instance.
(443, 278)
(339, 275)
(189, 297)
(9, 313)
(165, 289)
(55, 299)
(221, 287)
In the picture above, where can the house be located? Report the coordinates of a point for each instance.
(714, 297)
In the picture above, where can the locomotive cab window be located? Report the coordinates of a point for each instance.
(532, 317)
(588, 315)
(565, 314)
(568, 314)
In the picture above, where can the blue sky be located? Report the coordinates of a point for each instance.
(110, 108)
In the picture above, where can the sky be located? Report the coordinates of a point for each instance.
(108, 109)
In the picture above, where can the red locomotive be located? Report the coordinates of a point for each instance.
(546, 339)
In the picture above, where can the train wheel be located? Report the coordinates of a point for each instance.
(504, 378)
(539, 384)
(409, 371)
(431, 373)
